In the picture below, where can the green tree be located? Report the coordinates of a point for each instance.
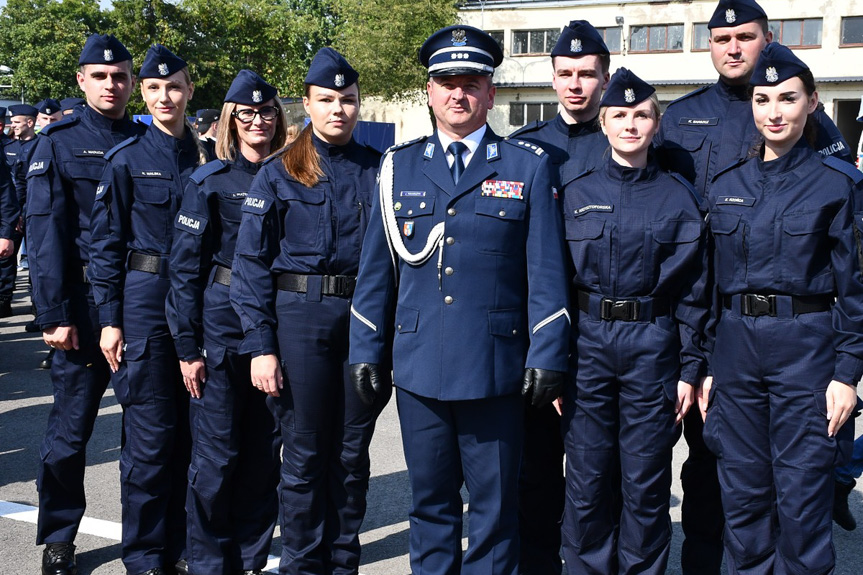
(41, 41)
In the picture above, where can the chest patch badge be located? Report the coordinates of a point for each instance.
(593, 208)
(412, 194)
(699, 122)
(735, 201)
(408, 228)
(503, 189)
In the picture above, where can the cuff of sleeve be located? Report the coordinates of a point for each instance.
(109, 315)
(261, 341)
(187, 348)
(848, 369)
(692, 373)
(57, 315)
(6, 232)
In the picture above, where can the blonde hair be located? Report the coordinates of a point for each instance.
(226, 133)
(654, 105)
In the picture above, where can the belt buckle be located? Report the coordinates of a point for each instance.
(624, 310)
(755, 305)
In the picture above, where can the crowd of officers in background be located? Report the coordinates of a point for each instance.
(551, 310)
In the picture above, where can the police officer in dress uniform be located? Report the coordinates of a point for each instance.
(298, 251)
(23, 126)
(232, 499)
(702, 133)
(788, 348)
(574, 142)
(635, 237)
(464, 260)
(207, 126)
(133, 218)
(64, 170)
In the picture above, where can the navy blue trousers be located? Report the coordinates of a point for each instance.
(619, 411)
(767, 423)
(9, 270)
(154, 460)
(447, 444)
(79, 379)
(326, 432)
(232, 502)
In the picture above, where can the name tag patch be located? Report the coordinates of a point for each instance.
(412, 194)
(699, 122)
(503, 189)
(735, 201)
(593, 208)
(88, 152)
(151, 174)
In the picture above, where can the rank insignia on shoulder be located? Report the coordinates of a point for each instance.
(492, 152)
(503, 189)
(408, 228)
(429, 151)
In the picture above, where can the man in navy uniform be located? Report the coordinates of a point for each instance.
(580, 63)
(50, 111)
(62, 175)
(463, 271)
(702, 133)
(206, 125)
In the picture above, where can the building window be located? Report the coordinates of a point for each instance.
(700, 37)
(534, 41)
(497, 36)
(665, 38)
(852, 31)
(799, 33)
(522, 113)
(612, 38)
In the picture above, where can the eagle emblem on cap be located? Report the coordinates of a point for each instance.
(339, 80)
(163, 69)
(257, 97)
(575, 45)
(459, 37)
(48, 111)
(108, 55)
(771, 74)
(730, 16)
(629, 95)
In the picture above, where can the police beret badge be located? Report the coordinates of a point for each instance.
(730, 16)
(575, 45)
(108, 55)
(771, 75)
(629, 95)
(339, 80)
(257, 97)
(163, 69)
(459, 37)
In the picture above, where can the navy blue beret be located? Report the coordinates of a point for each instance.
(2, 114)
(460, 51)
(329, 69)
(579, 38)
(160, 63)
(626, 89)
(775, 65)
(23, 110)
(207, 116)
(734, 13)
(103, 49)
(48, 106)
(250, 89)
(69, 103)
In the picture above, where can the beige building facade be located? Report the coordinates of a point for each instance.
(664, 42)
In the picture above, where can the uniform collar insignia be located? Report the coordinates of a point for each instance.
(429, 151)
(491, 151)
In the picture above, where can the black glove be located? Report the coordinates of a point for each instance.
(369, 382)
(542, 385)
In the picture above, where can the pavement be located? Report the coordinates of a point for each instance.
(25, 400)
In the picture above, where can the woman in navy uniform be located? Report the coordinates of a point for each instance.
(637, 243)
(133, 218)
(788, 348)
(232, 499)
(294, 272)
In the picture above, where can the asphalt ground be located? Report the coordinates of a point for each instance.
(25, 400)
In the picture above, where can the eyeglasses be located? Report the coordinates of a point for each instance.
(247, 116)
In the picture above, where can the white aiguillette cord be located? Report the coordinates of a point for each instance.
(391, 226)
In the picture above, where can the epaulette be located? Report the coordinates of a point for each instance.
(532, 127)
(844, 167)
(110, 153)
(688, 185)
(691, 94)
(64, 123)
(395, 147)
(207, 169)
(526, 146)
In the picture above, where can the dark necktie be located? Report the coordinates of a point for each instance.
(457, 168)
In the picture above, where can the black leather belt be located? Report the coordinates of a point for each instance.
(644, 309)
(757, 305)
(148, 263)
(330, 285)
(222, 275)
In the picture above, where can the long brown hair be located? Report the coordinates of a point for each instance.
(226, 133)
